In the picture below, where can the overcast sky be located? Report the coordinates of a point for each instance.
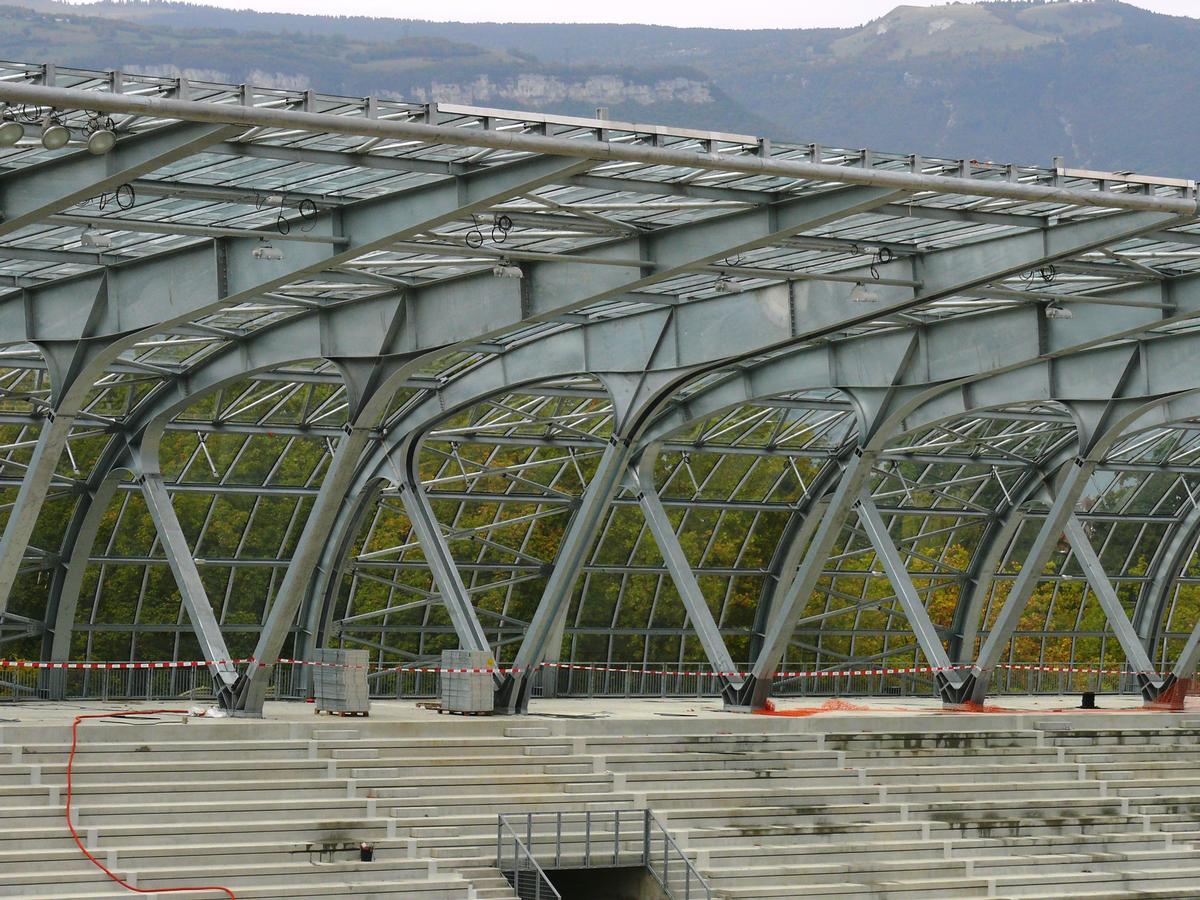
(776, 14)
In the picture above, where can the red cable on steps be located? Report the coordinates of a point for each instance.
(75, 834)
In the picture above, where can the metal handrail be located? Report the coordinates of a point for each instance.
(670, 851)
(596, 848)
(535, 885)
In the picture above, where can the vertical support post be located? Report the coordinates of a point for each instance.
(646, 837)
(191, 587)
(779, 630)
(1127, 637)
(513, 694)
(1068, 494)
(682, 576)
(616, 836)
(918, 616)
(441, 564)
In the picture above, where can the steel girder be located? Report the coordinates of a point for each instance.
(138, 299)
(621, 271)
(1029, 382)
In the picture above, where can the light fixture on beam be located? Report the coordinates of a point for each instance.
(267, 251)
(95, 240)
(505, 269)
(726, 285)
(55, 135)
(10, 132)
(863, 294)
(1056, 310)
(101, 141)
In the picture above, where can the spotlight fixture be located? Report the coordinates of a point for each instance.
(863, 294)
(505, 269)
(1056, 310)
(10, 132)
(55, 135)
(96, 240)
(101, 141)
(726, 285)
(268, 251)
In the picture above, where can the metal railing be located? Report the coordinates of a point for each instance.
(290, 681)
(521, 869)
(670, 866)
(593, 839)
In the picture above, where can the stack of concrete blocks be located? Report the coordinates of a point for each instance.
(341, 684)
(468, 692)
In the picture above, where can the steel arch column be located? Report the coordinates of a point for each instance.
(754, 692)
(323, 593)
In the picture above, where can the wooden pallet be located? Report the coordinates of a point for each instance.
(464, 712)
(342, 713)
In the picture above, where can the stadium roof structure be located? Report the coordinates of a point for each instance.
(282, 368)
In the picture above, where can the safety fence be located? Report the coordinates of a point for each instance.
(527, 843)
(24, 680)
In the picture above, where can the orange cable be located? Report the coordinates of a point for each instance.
(75, 834)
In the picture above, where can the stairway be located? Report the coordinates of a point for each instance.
(1046, 809)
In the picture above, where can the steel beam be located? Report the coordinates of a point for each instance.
(250, 116)
(323, 592)
(1131, 643)
(513, 694)
(1169, 562)
(927, 635)
(446, 576)
(1189, 656)
(289, 598)
(30, 195)
(855, 474)
(132, 298)
(682, 577)
(35, 485)
(67, 582)
(191, 586)
(1066, 497)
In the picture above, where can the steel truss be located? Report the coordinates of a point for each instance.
(286, 368)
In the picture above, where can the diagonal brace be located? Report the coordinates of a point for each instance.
(918, 616)
(1135, 650)
(191, 587)
(684, 579)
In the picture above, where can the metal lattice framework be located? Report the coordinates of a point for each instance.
(282, 368)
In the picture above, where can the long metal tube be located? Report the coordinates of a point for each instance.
(258, 117)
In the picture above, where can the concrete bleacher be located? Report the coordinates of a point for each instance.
(933, 806)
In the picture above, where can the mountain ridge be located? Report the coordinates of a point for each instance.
(1098, 82)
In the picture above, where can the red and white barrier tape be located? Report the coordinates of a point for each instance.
(500, 670)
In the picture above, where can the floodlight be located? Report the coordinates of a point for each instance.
(10, 133)
(1056, 310)
(726, 285)
(54, 135)
(101, 141)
